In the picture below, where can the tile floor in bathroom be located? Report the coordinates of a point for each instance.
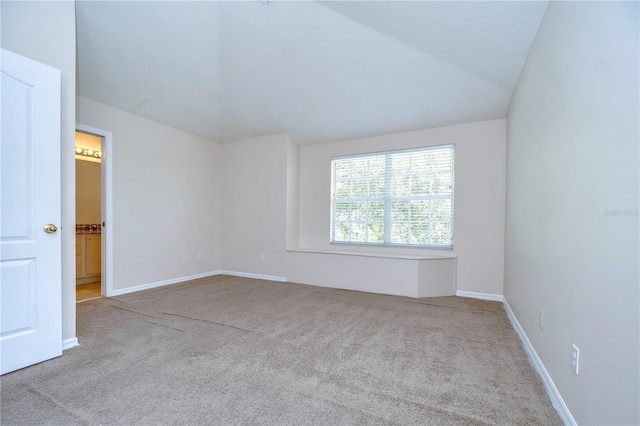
(87, 291)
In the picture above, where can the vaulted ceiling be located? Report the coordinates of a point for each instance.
(322, 71)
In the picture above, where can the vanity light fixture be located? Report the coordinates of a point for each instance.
(88, 152)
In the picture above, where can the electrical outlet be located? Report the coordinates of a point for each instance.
(261, 257)
(184, 258)
(541, 319)
(199, 257)
(576, 359)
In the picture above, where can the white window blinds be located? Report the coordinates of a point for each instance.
(394, 198)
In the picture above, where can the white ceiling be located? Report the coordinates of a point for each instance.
(321, 71)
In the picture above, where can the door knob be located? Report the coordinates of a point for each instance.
(50, 228)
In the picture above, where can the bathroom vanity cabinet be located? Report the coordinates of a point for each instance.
(88, 258)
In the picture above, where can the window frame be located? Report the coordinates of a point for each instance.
(388, 199)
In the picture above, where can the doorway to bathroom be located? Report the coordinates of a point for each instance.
(93, 210)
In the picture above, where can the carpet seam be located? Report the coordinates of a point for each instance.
(51, 400)
(208, 321)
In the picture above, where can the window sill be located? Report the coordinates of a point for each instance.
(370, 254)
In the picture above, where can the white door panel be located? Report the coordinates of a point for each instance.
(17, 160)
(18, 313)
(30, 258)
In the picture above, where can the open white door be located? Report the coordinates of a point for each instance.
(30, 244)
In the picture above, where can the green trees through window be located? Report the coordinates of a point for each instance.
(394, 198)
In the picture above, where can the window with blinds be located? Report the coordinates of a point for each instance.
(399, 198)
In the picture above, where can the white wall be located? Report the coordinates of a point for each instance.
(479, 196)
(88, 197)
(28, 29)
(573, 158)
(256, 204)
(293, 194)
(166, 197)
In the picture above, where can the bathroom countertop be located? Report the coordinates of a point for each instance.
(89, 229)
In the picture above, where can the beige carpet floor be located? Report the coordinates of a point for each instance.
(231, 351)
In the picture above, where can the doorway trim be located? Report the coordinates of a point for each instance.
(106, 190)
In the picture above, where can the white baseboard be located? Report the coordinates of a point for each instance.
(482, 296)
(122, 291)
(70, 343)
(556, 399)
(162, 283)
(256, 276)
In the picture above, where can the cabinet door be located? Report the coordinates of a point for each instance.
(93, 253)
(80, 263)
